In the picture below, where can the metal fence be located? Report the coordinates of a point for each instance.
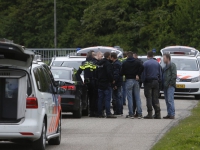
(48, 53)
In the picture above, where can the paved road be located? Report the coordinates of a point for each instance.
(116, 134)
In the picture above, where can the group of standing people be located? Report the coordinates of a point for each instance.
(110, 78)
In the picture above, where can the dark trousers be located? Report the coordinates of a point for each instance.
(93, 96)
(117, 101)
(151, 90)
(104, 97)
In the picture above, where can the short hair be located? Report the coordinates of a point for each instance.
(167, 55)
(130, 54)
(134, 53)
(124, 54)
(106, 54)
(150, 54)
(114, 55)
(89, 54)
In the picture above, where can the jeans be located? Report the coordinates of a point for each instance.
(169, 98)
(117, 98)
(151, 90)
(132, 86)
(104, 97)
(124, 92)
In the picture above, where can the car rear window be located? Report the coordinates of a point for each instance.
(72, 64)
(61, 74)
(57, 63)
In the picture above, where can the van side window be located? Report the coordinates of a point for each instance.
(48, 80)
(43, 81)
(37, 79)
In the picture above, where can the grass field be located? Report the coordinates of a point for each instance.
(184, 136)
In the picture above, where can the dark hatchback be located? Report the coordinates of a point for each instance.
(75, 99)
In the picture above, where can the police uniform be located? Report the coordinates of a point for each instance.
(89, 69)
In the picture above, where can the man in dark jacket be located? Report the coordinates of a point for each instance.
(89, 69)
(151, 77)
(117, 85)
(105, 79)
(132, 69)
(169, 82)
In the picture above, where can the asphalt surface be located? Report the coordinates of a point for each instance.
(116, 134)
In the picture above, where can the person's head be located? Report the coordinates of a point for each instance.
(130, 54)
(107, 55)
(166, 58)
(113, 57)
(99, 55)
(93, 53)
(135, 55)
(89, 54)
(124, 54)
(149, 54)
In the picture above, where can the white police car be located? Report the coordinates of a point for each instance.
(29, 104)
(188, 74)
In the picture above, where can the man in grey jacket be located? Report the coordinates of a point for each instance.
(169, 83)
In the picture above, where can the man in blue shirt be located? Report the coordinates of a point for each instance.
(151, 77)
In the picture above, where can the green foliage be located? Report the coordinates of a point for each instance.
(134, 25)
(184, 136)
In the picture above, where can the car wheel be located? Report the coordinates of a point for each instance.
(57, 140)
(197, 97)
(40, 144)
(78, 113)
(86, 111)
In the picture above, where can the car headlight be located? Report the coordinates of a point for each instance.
(196, 79)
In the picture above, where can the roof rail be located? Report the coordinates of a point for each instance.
(6, 40)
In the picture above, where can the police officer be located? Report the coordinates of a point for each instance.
(151, 77)
(89, 78)
(117, 85)
(105, 79)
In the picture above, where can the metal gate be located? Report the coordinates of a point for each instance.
(48, 53)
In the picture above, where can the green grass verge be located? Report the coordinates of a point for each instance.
(184, 136)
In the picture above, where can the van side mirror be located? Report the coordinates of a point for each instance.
(61, 90)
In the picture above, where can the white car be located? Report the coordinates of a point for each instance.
(188, 73)
(29, 104)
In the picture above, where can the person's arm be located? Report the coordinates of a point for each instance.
(122, 70)
(160, 73)
(117, 69)
(109, 70)
(143, 76)
(174, 74)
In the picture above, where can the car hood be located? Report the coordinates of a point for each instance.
(187, 74)
(15, 55)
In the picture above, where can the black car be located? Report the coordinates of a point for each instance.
(75, 99)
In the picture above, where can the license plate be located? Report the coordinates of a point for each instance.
(180, 86)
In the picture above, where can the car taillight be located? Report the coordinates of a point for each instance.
(69, 87)
(31, 103)
(159, 60)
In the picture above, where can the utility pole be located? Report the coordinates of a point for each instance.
(55, 27)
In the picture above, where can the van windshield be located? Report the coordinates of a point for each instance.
(57, 63)
(186, 64)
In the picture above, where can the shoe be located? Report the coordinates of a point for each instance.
(131, 117)
(124, 104)
(171, 117)
(111, 116)
(148, 117)
(101, 117)
(92, 115)
(166, 117)
(136, 115)
(157, 115)
(118, 114)
(139, 116)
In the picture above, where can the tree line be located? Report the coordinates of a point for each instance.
(134, 25)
